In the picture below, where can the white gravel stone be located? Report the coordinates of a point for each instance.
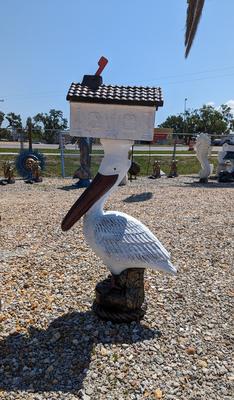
(53, 347)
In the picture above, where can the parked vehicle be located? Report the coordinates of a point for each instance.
(220, 142)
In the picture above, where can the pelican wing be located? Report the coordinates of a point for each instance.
(126, 240)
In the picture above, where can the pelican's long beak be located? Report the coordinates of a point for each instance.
(99, 186)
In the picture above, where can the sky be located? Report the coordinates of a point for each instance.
(47, 44)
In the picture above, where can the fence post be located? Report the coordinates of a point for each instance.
(61, 145)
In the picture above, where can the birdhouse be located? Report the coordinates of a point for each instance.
(112, 111)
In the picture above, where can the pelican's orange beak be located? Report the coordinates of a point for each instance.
(99, 186)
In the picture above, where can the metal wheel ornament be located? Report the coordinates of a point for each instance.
(21, 161)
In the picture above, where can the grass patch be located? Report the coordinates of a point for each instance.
(186, 165)
(100, 151)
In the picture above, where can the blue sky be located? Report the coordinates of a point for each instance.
(47, 44)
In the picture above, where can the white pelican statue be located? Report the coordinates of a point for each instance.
(121, 241)
(202, 151)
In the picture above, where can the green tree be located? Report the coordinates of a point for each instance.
(4, 133)
(1, 118)
(206, 119)
(14, 120)
(36, 129)
(50, 124)
(176, 122)
(15, 125)
(211, 121)
(227, 115)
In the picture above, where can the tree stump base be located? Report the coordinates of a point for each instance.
(120, 298)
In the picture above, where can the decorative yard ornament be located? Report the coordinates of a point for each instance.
(225, 170)
(156, 170)
(8, 170)
(35, 170)
(29, 165)
(202, 152)
(173, 169)
(134, 170)
(118, 115)
(83, 173)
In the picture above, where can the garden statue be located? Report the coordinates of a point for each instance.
(134, 170)
(83, 173)
(117, 115)
(202, 152)
(173, 169)
(156, 170)
(30, 163)
(34, 170)
(8, 169)
(225, 170)
(125, 245)
(29, 166)
(221, 162)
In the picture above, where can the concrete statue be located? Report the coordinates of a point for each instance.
(225, 169)
(203, 143)
(8, 170)
(125, 245)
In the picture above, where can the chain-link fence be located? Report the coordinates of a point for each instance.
(62, 158)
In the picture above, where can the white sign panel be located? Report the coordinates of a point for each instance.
(111, 121)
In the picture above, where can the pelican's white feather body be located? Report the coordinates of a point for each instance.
(124, 242)
(120, 240)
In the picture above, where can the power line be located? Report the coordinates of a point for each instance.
(40, 94)
(54, 92)
(200, 79)
(196, 73)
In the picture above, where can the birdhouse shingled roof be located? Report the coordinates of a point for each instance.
(109, 94)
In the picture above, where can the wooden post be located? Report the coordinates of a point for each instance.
(30, 136)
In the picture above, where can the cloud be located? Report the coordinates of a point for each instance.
(210, 103)
(230, 103)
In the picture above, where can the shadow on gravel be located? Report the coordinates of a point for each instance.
(138, 197)
(57, 359)
(69, 187)
(209, 185)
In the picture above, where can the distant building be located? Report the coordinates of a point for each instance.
(161, 135)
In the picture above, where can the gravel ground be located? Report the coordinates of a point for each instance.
(53, 347)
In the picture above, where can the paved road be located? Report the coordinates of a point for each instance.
(16, 145)
(97, 155)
